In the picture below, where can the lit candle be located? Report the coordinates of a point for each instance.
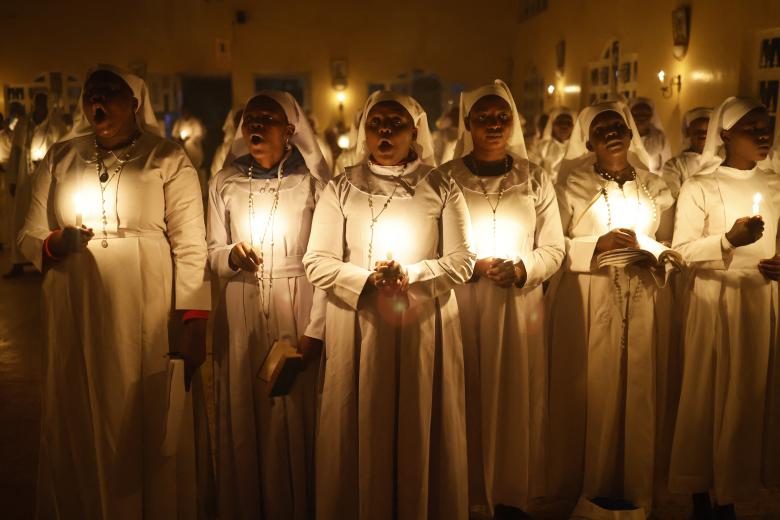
(756, 204)
(184, 134)
(79, 210)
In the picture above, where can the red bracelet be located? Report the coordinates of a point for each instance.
(195, 315)
(46, 250)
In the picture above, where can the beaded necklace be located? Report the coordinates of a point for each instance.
(269, 225)
(501, 189)
(105, 180)
(375, 218)
(624, 301)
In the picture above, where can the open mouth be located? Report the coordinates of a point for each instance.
(256, 139)
(494, 136)
(614, 144)
(99, 114)
(385, 146)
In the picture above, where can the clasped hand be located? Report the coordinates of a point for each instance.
(390, 278)
(501, 271)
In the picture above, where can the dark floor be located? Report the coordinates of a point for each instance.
(20, 357)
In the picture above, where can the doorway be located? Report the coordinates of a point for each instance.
(210, 99)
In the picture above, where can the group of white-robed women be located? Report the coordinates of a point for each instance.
(439, 380)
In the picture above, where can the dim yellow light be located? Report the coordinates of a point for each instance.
(661, 76)
(341, 96)
(551, 89)
(343, 141)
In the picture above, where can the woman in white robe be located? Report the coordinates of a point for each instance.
(445, 137)
(266, 444)
(551, 149)
(727, 434)
(608, 326)
(32, 137)
(651, 130)
(681, 167)
(388, 245)
(110, 288)
(501, 308)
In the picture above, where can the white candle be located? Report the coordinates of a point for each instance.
(79, 210)
(756, 204)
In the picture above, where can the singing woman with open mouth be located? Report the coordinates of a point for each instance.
(388, 245)
(116, 224)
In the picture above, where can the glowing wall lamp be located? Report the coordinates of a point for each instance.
(668, 85)
(550, 89)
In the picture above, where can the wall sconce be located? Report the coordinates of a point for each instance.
(668, 85)
(550, 89)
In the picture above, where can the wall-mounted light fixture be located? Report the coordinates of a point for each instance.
(550, 89)
(668, 84)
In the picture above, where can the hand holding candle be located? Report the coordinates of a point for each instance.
(244, 257)
(745, 231)
(390, 277)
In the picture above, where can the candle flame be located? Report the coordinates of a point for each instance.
(757, 203)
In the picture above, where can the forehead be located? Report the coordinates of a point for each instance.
(563, 118)
(263, 104)
(757, 115)
(388, 109)
(641, 108)
(699, 122)
(609, 117)
(106, 78)
(491, 102)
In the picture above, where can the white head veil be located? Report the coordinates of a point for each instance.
(689, 117)
(577, 153)
(303, 138)
(655, 121)
(547, 134)
(516, 144)
(229, 126)
(723, 118)
(423, 146)
(144, 114)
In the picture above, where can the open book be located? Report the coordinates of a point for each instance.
(281, 367)
(660, 259)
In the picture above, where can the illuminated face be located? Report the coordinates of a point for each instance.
(490, 122)
(609, 136)
(750, 138)
(697, 133)
(266, 129)
(643, 115)
(109, 104)
(390, 133)
(562, 127)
